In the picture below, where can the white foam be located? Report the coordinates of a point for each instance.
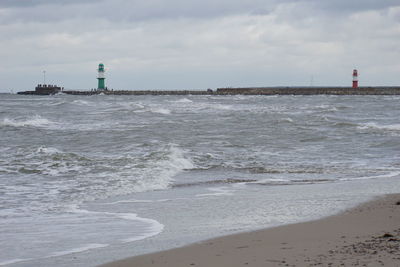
(77, 250)
(153, 229)
(270, 181)
(137, 201)
(178, 160)
(13, 261)
(163, 111)
(61, 169)
(48, 150)
(80, 102)
(184, 100)
(217, 191)
(371, 125)
(223, 107)
(326, 107)
(42, 159)
(161, 171)
(56, 103)
(287, 120)
(33, 121)
(388, 175)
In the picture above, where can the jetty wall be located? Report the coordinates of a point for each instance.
(143, 92)
(310, 91)
(381, 90)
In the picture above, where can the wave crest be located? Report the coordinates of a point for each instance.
(33, 121)
(375, 126)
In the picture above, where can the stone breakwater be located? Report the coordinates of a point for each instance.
(255, 91)
(310, 91)
(145, 92)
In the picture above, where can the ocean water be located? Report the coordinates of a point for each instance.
(85, 180)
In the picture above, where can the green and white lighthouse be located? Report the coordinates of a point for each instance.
(101, 78)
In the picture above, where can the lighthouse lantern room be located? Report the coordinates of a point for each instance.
(101, 78)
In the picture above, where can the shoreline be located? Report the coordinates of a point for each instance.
(367, 235)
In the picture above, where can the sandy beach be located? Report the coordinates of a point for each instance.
(368, 235)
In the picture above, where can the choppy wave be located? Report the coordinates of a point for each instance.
(215, 182)
(345, 124)
(163, 111)
(162, 167)
(81, 178)
(223, 107)
(266, 181)
(386, 175)
(139, 108)
(375, 126)
(217, 191)
(48, 150)
(36, 121)
(226, 166)
(80, 102)
(289, 120)
(48, 161)
(184, 100)
(78, 178)
(41, 122)
(174, 150)
(59, 103)
(326, 108)
(292, 181)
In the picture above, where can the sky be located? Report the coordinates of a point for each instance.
(193, 44)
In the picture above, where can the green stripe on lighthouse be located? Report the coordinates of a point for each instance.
(101, 79)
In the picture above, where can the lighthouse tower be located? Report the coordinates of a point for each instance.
(355, 78)
(101, 83)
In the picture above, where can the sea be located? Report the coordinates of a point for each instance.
(86, 180)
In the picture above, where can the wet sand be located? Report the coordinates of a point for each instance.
(368, 235)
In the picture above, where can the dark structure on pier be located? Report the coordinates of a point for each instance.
(43, 89)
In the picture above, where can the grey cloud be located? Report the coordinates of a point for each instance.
(32, 3)
(185, 37)
(139, 10)
(346, 6)
(124, 10)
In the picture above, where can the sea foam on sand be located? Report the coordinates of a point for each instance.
(367, 235)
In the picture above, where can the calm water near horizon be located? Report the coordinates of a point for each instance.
(87, 180)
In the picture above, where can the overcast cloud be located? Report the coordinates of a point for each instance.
(186, 44)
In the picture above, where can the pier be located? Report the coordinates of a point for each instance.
(381, 90)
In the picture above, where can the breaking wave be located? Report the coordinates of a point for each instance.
(161, 167)
(33, 121)
(163, 111)
(375, 126)
(80, 102)
(184, 100)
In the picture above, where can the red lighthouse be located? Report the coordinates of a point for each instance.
(355, 78)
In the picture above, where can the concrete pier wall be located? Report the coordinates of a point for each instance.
(256, 91)
(310, 91)
(144, 92)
